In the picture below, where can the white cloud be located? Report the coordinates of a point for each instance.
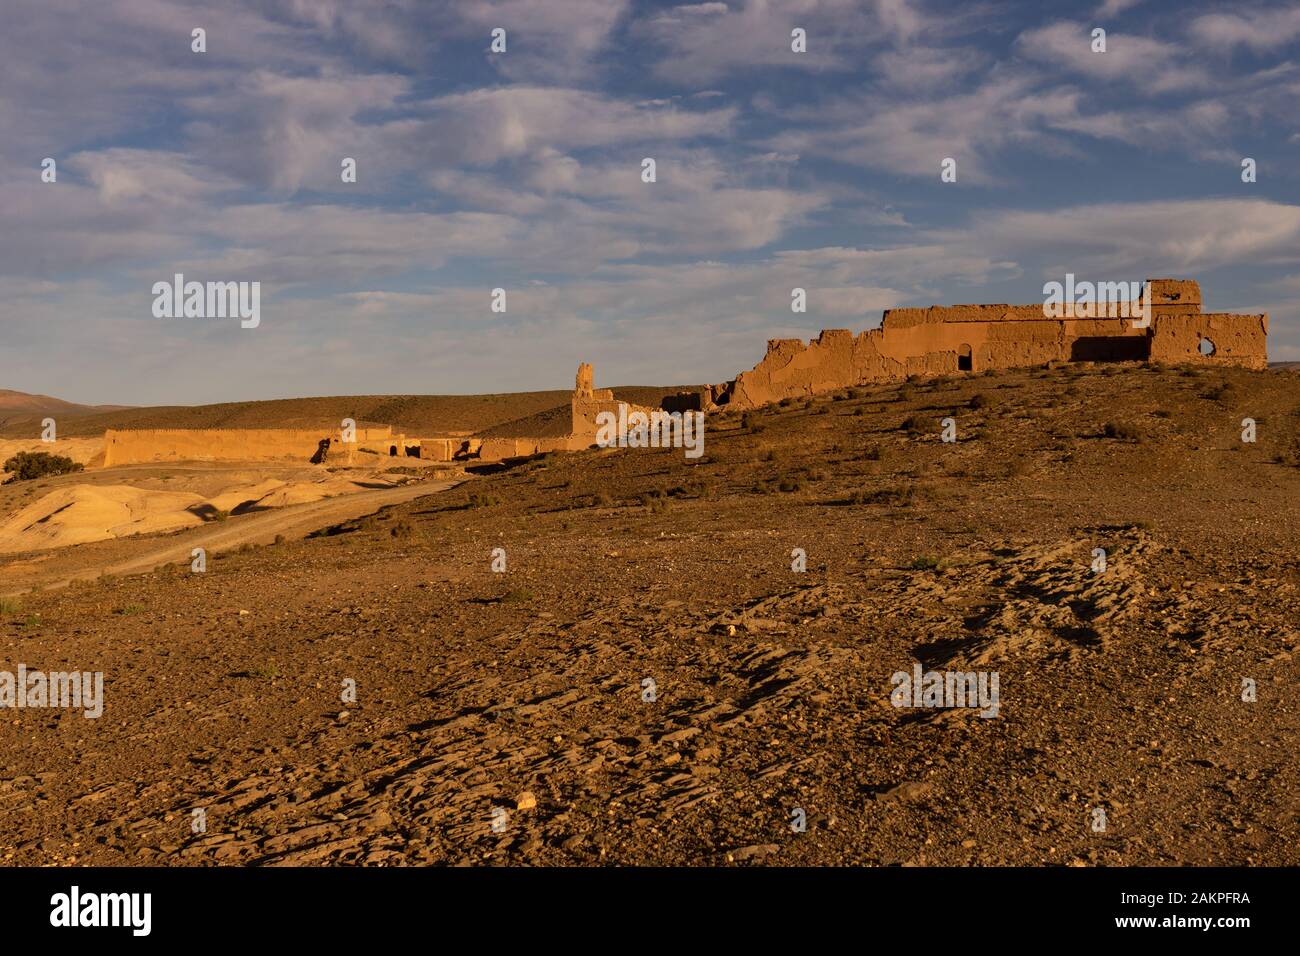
(1151, 65)
(1260, 29)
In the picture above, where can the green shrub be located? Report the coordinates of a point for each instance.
(27, 465)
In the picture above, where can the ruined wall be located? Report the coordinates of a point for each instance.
(233, 444)
(943, 340)
(1237, 339)
(499, 449)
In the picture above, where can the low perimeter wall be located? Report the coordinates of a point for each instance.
(228, 444)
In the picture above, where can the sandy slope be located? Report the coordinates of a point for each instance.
(81, 513)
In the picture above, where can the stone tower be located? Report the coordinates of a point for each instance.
(582, 387)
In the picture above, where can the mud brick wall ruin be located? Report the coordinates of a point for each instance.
(943, 340)
(130, 447)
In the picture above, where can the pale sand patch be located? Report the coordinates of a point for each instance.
(82, 513)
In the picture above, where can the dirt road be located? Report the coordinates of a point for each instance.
(294, 521)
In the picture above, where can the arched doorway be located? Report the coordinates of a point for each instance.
(964, 360)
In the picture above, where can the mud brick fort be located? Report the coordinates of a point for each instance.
(940, 340)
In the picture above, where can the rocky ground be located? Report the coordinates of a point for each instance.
(506, 717)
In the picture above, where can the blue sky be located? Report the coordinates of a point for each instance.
(522, 171)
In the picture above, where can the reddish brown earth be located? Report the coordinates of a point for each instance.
(480, 691)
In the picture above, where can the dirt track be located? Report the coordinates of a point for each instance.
(294, 521)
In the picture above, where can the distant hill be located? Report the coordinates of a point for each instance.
(415, 415)
(24, 408)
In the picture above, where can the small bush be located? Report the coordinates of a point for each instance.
(654, 501)
(902, 496)
(27, 465)
(925, 563)
(1123, 432)
(480, 500)
(980, 400)
(10, 607)
(1222, 392)
(911, 424)
(753, 423)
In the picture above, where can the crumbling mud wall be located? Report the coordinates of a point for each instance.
(128, 447)
(943, 340)
(1230, 339)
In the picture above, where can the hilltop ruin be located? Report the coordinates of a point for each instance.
(944, 340)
